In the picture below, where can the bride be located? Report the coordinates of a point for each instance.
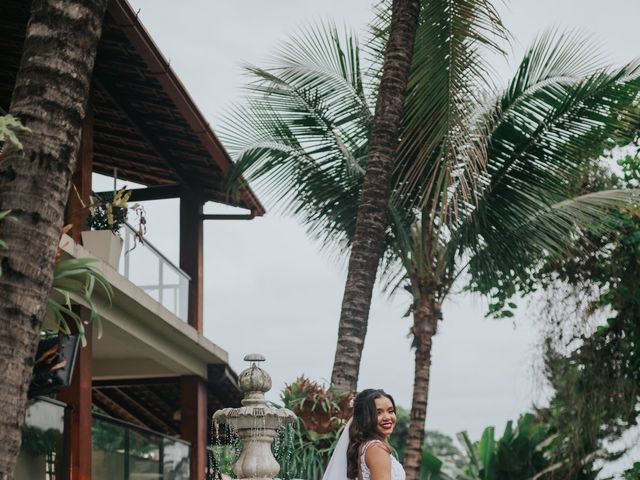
(363, 452)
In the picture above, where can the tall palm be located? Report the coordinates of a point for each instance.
(335, 97)
(49, 97)
(371, 219)
(305, 129)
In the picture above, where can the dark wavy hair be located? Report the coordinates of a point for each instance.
(364, 425)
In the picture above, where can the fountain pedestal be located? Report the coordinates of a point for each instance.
(256, 423)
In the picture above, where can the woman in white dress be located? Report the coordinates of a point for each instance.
(363, 451)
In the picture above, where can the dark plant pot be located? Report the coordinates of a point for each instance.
(55, 361)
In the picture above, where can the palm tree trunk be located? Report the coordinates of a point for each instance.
(374, 200)
(425, 324)
(49, 97)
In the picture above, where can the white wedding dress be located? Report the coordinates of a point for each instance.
(397, 472)
(337, 468)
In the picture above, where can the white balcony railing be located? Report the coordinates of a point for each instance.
(146, 267)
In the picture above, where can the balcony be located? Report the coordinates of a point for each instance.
(147, 268)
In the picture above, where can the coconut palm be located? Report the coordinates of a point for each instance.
(371, 219)
(49, 97)
(489, 191)
(334, 104)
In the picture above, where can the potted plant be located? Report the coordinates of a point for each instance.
(106, 219)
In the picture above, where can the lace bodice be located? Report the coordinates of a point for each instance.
(397, 472)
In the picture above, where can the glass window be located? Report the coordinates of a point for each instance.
(42, 452)
(109, 449)
(144, 456)
(123, 452)
(176, 460)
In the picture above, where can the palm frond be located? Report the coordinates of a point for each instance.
(442, 145)
(548, 233)
(303, 133)
(542, 143)
(555, 59)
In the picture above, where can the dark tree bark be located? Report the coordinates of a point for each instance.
(50, 98)
(372, 210)
(425, 323)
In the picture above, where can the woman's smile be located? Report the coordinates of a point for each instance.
(386, 416)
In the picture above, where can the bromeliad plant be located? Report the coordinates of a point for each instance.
(322, 414)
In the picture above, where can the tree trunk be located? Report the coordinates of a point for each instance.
(425, 324)
(374, 200)
(50, 98)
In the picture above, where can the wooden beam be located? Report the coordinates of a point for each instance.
(115, 410)
(138, 122)
(193, 421)
(159, 404)
(160, 192)
(134, 382)
(230, 216)
(138, 410)
(191, 254)
(78, 397)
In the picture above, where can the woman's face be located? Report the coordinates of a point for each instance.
(386, 416)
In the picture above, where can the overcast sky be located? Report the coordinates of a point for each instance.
(267, 286)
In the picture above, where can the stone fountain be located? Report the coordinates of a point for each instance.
(255, 422)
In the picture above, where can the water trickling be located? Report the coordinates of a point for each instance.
(255, 425)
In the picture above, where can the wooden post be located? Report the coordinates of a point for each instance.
(193, 421)
(77, 213)
(78, 397)
(191, 254)
(78, 394)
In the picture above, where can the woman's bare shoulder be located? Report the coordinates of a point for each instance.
(377, 453)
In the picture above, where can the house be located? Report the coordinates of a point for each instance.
(142, 394)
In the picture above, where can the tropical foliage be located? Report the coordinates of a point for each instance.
(322, 414)
(304, 451)
(9, 125)
(110, 213)
(502, 162)
(595, 369)
(73, 277)
(520, 453)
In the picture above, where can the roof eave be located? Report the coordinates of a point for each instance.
(140, 39)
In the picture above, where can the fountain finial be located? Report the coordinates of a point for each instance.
(254, 382)
(254, 357)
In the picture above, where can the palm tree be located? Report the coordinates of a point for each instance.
(305, 130)
(446, 69)
(371, 220)
(50, 96)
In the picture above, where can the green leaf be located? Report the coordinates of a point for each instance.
(8, 127)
